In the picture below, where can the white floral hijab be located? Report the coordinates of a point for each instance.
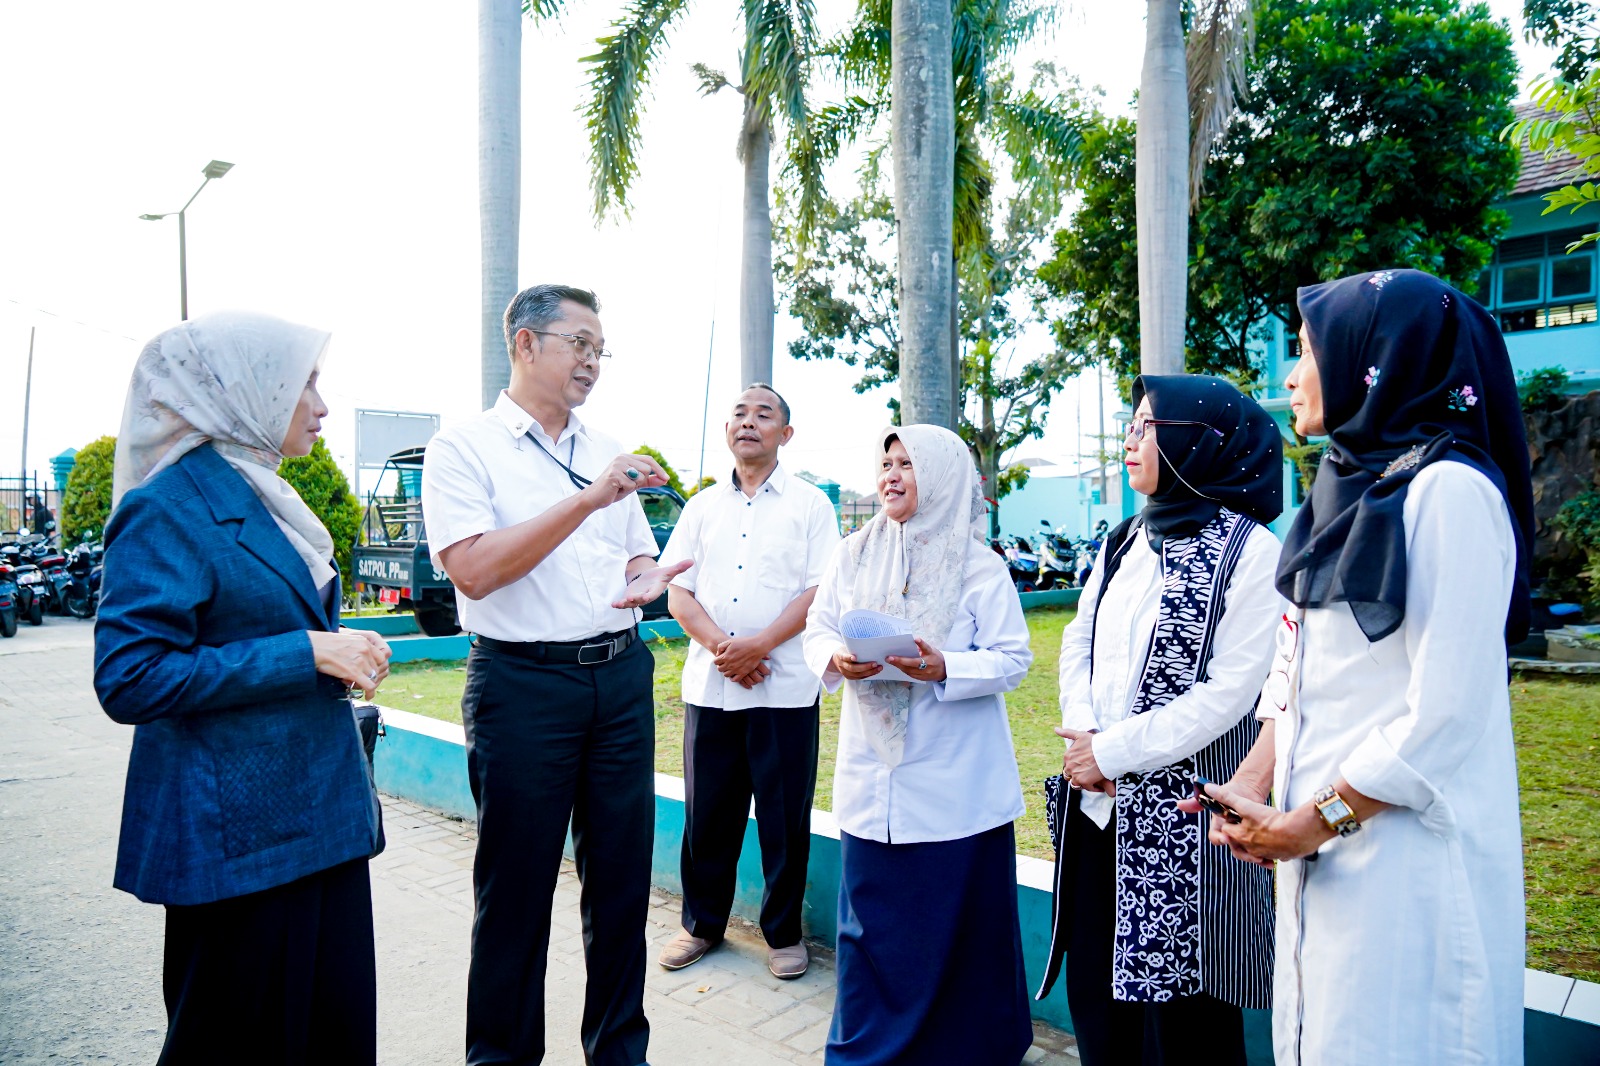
(234, 379)
(915, 569)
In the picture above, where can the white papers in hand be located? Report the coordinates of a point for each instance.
(870, 636)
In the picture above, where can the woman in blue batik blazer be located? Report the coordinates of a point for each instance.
(249, 811)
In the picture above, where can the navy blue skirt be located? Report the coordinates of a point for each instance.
(930, 954)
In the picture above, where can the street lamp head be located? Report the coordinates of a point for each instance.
(216, 168)
(152, 218)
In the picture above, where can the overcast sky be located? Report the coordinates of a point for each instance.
(353, 207)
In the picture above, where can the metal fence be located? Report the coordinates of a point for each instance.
(27, 501)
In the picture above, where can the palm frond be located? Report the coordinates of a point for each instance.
(974, 182)
(542, 10)
(711, 81)
(1044, 138)
(618, 77)
(1221, 37)
(775, 61)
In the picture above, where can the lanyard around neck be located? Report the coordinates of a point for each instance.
(577, 479)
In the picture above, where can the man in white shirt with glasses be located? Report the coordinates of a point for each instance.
(759, 545)
(535, 518)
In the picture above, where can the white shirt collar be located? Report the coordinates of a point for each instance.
(777, 479)
(517, 421)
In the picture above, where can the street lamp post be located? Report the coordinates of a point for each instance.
(214, 169)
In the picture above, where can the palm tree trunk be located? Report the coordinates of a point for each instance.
(923, 119)
(499, 178)
(755, 279)
(1162, 191)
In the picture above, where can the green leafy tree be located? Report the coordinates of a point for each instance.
(1570, 123)
(674, 482)
(324, 488)
(1366, 138)
(1571, 25)
(774, 65)
(1037, 129)
(86, 505)
(846, 298)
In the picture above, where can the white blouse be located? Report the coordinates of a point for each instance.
(1403, 943)
(1240, 658)
(958, 776)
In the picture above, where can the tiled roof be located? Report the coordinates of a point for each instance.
(1538, 173)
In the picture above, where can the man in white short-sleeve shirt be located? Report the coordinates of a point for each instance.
(759, 545)
(534, 517)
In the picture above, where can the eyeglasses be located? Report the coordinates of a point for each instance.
(1288, 645)
(1136, 428)
(583, 344)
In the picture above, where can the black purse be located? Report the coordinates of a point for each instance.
(369, 723)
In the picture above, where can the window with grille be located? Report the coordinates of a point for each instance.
(1535, 284)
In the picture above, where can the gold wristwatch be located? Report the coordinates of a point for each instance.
(1336, 813)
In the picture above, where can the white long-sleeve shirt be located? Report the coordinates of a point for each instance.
(1241, 656)
(958, 775)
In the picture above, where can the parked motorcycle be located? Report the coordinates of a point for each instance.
(1057, 558)
(51, 589)
(82, 593)
(8, 601)
(1022, 562)
(30, 582)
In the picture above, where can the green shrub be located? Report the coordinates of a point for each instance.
(324, 488)
(1579, 519)
(674, 482)
(1543, 389)
(87, 502)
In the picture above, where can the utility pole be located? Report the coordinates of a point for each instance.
(1102, 450)
(27, 397)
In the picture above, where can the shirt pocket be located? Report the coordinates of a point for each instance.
(783, 565)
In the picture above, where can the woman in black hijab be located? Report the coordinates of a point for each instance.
(1387, 732)
(1166, 939)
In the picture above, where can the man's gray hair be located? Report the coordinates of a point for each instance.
(539, 305)
(783, 405)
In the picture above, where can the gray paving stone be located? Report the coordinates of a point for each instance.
(812, 1039)
(80, 964)
(798, 1017)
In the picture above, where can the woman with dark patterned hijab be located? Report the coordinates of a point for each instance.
(1165, 938)
(1386, 736)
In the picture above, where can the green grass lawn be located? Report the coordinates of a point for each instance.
(1557, 724)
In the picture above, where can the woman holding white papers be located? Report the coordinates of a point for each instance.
(926, 790)
(1165, 938)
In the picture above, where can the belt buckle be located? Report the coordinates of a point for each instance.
(608, 646)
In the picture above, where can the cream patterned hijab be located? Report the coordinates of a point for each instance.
(232, 378)
(915, 570)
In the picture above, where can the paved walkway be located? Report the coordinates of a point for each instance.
(80, 976)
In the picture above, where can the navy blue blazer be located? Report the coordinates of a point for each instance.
(247, 770)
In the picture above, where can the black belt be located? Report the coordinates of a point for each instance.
(590, 652)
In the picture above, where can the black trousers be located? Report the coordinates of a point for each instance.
(280, 977)
(728, 756)
(548, 744)
(1111, 1032)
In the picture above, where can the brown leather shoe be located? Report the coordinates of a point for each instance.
(788, 963)
(685, 949)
